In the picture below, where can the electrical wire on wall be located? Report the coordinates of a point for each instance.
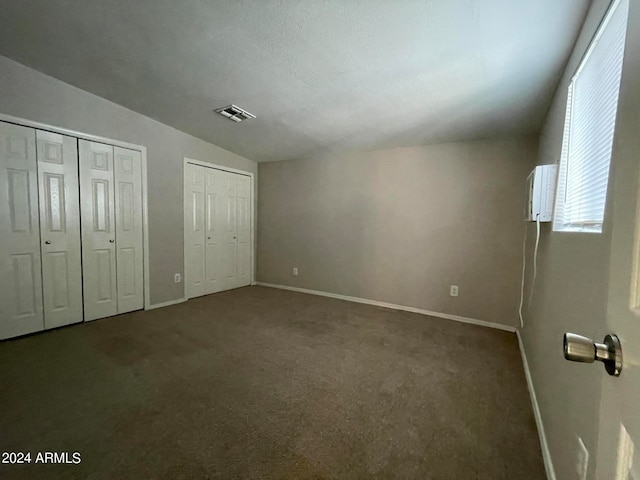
(535, 261)
(541, 191)
(524, 267)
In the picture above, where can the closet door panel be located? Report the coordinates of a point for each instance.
(98, 230)
(21, 309)
(214, 233)
(128, 224)
(244, 230)
(59, 228)
(194, 227)
(228, 221)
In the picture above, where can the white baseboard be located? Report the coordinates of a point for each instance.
(165, 304)
(544, 446)
(393, 306)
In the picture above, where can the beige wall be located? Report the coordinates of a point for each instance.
(401, 225)
(29, 94)
(570, 296)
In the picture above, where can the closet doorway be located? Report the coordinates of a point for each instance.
(218, 228)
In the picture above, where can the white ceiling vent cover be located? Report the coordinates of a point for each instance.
(234, 113)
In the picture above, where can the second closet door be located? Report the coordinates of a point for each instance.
(214, 239)
(227, 226)
(112, 251)
(128, 208)
(98, 230)
(244, 231)
(20, 279)
(59, 228)
(194, 234)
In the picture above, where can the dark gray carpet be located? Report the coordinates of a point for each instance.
(259, 383)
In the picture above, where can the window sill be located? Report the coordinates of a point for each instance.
(578, 228)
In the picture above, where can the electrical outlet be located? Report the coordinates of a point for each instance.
(453, 291)
(295, 271)
(177, 278)
(582, 461)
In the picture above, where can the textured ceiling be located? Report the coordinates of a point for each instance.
(321, 76)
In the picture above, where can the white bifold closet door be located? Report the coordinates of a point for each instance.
(194, 231)
(40, 286)
(223, 219)
(110, 188)
(129, 250)
(244, 230)
(71, 238)
(59, 228)
(217, 230)
(21, 310)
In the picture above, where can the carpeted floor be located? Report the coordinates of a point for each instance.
(259, 383)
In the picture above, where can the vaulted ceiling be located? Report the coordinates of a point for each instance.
(320, 75)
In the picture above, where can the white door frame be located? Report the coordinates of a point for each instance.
(214, 166)
(117, 143)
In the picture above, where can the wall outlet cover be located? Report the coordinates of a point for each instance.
(295, 271)
(453, 291)
(177, 278)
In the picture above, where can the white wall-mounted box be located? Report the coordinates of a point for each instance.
(541, 189)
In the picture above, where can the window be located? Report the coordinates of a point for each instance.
(590, 120)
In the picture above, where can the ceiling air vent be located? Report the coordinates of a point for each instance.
(234, 113)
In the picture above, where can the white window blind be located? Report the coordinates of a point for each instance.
(592, 105)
